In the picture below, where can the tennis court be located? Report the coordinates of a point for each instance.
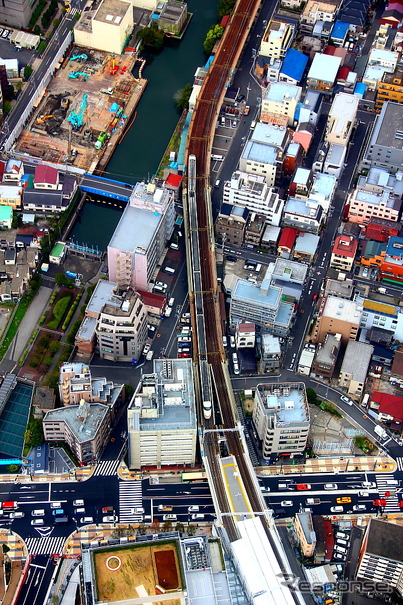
(13, 421)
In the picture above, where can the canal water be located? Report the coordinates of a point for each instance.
(138, 156)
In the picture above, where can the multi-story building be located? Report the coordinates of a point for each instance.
(381, 315)
(390, 88)
(262, 305)
(392, 264)
(380, 61)
(290, 271)
(365, 205)
(279, 103)
(17, 14)
(337, 316)
(343, 253)
(385, 146)
(281, 417)
(354, 369)
(341, 119)
(245, 335)
(305, 247)
(254, 229)
(106, 26)
(323, 72)
(277, 39)
(378, 180)
(122, 328)
(270, 353)
(302, 214)
(293, 67)
(381, 556)
(323, 190)
(326, 355)
(76, 384)
(263, 160)
(252, 192)
(161, 417)
(305, 533)
(230, 225)
(133, 254)
(173, 17)
(317, 11)
(85, 428)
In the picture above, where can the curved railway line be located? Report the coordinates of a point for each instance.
(203, 292)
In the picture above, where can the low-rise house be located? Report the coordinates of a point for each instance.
(230, 225)
(245, 335)
(305, 533)
(305, 247)
(326, 356)
(270, 353)
(343, 253)
(323, 73)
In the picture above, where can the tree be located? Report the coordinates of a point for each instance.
(10, 92)
(225, 7)
(151, 37)
(214, 33)
(42, 46)
(12, 468)
(62, 280)
(191, 530)
(311, 396)
(37, 30)
(6, 107)
(56, 23)
(77, 16)
(182, 97)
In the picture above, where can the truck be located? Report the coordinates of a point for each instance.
(381, 290)
(312, 501)
(381, 432)
(164, 507)
(149, 355)
(107, 509)
(7, 507)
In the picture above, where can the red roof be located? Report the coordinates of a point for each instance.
(343, 73)
(46, 174)
(224, 21)
(153, 300)
(397, 365)
(2, 168)
(345, 245)
(174, 180)
(329, 50)
(287, 238)
(380, 232)
(392, 405)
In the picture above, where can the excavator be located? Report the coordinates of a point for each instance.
(42, 119)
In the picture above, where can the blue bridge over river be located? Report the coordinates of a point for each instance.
(100, 185)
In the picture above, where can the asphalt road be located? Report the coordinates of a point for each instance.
(35, 587)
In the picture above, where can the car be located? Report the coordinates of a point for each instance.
(78, 502)
(358, 507)
(109, 519)
(183, 355)
(193, 509)
(37, 522)
(231, 259)
(365, 272)
(58, 511)
(234, 123)
(368, 484)
(1, 31)
(127, 186)
(217, 183)
(315, 296)
(139, 510)
(161, 284)
(330, 486)
(304, 486)
(356, 270)
(241, 97)
(17, 514)
(286, 503)
(55, 505)
(336, 509)
(346, 400)
(340, 549)
(236, 369)
(232, 342)
(234, 358)
(184, 339)
(86, 520)
(79, 511)
(147, 347)
(151, 328)
(344, 500)
(338, 556)
(186, 315)
(5, 33)
(224, 341)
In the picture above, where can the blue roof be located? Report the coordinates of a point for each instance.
(360, 87)
(294, 64)
(339, 30)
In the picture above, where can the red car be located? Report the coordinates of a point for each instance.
(379, 502)
(315, 296)
(180, 355)
(303, 486)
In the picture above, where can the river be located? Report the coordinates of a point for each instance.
(138, 155)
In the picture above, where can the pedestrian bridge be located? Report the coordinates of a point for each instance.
(106, 187)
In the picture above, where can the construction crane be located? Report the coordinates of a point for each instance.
(77, 119)
(82, 57)
(43, 119)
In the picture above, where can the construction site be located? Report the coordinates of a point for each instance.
(81, 115)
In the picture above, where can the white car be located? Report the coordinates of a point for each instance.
(161, 284)
(236, 369)
(224, 341)
(109, 519)
(330, 486)
(346, 400)
(184, 339)
(234, 358)
(37, 522)
(286, 503)
(17, 514)
(5, 33)
(147, 347)
(358, 507)
(78, 502)
(232, 342)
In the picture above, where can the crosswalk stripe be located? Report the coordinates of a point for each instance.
(399, 462)
(106, 468)
(392, 502)
(130, 496)
(45, 546)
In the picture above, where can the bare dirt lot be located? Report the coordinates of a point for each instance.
(136, 571)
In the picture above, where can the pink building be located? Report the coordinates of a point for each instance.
(365, 205)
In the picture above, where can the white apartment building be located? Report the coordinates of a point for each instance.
(251, 191)
(380, 315)
(106, 27)
(364, 205)
(161, 417)
(341, 118)
(122, 328)
(318, 11)
(134, 253)
(354, 369)
(276, 39)
(281, 417)
(279, 103)
(262, 160)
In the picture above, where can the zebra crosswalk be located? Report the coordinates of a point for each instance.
(130, 497)
(392, 501)
(399, 462)
(45, 546)
(106, 468)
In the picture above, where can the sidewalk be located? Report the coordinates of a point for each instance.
(333, 466)
(16, 544)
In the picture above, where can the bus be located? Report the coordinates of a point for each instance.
(194, 477)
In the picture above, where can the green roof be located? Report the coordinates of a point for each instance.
(57, 250)
(6, 212)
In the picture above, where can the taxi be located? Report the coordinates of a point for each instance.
(344, 500)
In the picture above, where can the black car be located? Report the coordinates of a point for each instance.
(231, 259)
(241, 97)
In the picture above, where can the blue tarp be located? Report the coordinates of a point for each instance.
(114, 107)
(294, 64)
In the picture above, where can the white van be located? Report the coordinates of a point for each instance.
(193, 509)
(171, 302)
(39, 512)
(392, 482)
(55, 505)
(174, 246)
(197, 517)
(169, 270)
(169, 517)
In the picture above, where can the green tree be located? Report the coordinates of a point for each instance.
(37, 30)
(6, 107)
(191, 530)
(48, 361)
(56, 23)
(77, 16)
(10, 92)
(151, 37)
(225, 7)
(42, 46)
(182, 97)
(13, 468)
(214, 33)
(312, 396)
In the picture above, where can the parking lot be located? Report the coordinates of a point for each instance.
(8, 50)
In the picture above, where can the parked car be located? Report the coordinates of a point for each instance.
(5, 33)
(286, 503)
(346, 400)
(365, 272)
(109, 519)
(37, 522)
(232, 342)
(17, 514)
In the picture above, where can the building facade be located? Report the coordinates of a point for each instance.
(252, 192)
(354, 369)
(341, 119)
(337, 316)
(343, 252)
